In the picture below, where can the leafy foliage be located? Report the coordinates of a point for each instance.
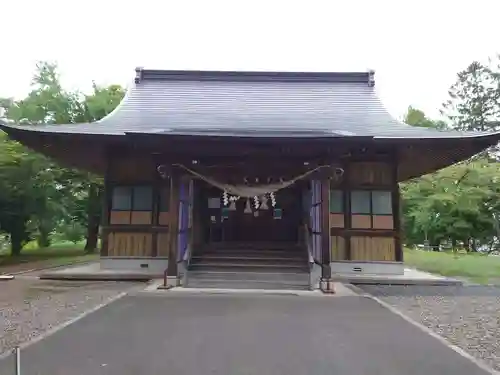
(37, 195)
(474, 98)
(460, 203)
(416, 117)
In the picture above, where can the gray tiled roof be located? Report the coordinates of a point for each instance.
(252, 104)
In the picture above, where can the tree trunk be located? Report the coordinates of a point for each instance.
(44, 237)
(473, 245)
(16, 244)
(92, 237)
(93, 218)
(18, 235)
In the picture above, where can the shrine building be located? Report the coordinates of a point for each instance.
(274, 179)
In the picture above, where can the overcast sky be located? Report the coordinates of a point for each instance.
(415, 47)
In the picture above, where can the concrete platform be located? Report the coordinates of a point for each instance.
(410, 277)
(155, 287)
(93, 271)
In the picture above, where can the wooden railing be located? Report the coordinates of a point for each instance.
(188, 254)
(312, 260)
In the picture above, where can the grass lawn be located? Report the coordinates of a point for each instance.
(56, 255)
(476, 267)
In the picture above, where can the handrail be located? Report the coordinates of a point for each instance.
(307, 236)
(312, 259)
(186, 260)
(307, 232)
(187, 254)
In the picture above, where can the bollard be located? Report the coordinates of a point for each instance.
(17, 357)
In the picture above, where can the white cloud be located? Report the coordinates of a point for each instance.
(416, 47)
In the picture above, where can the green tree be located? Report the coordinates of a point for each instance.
(62, 195)
(97, 105)
(416, 117)
(47, 103)
(474, 99)
(456, 203)
(25, 180)
(460, 203)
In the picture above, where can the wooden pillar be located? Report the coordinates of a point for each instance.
(191, 211)
(326, 272)
(106, 208)
(396, 211)
(155, 212)
(174, 224)
(346, 193)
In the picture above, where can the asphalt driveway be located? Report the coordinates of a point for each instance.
(241, 334)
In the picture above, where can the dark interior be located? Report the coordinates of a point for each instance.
(257, 226)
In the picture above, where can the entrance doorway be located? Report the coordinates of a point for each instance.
(279, 224)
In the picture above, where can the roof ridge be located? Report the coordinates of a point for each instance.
(142, 74)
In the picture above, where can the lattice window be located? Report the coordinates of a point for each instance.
(371, 209)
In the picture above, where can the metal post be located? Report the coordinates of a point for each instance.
(17, 356)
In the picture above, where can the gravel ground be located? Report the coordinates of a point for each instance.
(467, 316)
(30, 307)
(43, 264)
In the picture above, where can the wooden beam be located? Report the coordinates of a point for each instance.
(228, 147)
(396, 209)
(104, 242)
(191, 212)
(174, 223)
(261, 170)
(362, 232)
(139, 228)
(326, 271)
(157, 185)
(106, 208)
(347, 209)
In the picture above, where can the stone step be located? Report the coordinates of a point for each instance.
(255, 266)
(250, 255)
(280, 262)
(253, 246)
(250, 266)
(245, 284)
(283, 275)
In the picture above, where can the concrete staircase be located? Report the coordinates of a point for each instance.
(249, 266)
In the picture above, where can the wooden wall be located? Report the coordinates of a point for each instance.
(364, 217)
(139, 227)
(130, 244)
(358, 231)
(365, 248)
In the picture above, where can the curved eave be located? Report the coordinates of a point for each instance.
(80, 130)
(82, 151)
(249, 135)
(84, 130)
(417, 157)
(441, 136)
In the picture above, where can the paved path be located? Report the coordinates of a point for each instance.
(241, 335)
